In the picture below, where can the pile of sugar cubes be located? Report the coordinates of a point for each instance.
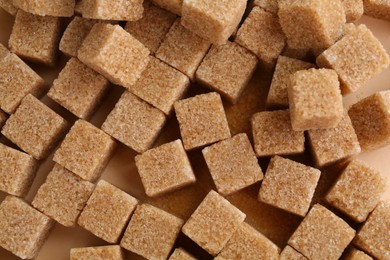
(182, 68)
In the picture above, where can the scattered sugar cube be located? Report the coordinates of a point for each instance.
(202, 120)
(182, 49)
(227, 69)
(181, 254)
(3, 118)
(315, 99)
(173, 6)
(8, 6)
(64, 8)
(290, 253)
(356, 58)
(79, 89)
(35, 128)
(377, 8)
(114, 53)
(232, 164)
(213, 223)
(158, 230)
(23, 229)
(107, 212)
(85, 150)
(134, 123)
(354, 9)
(268, 5)
(321, 234)
(355, 254)
(113, 252)
(62, 196)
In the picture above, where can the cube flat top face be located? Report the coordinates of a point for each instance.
(181, 254)
(290, 253)
(111, 10)
(98, 252)
(64, 8)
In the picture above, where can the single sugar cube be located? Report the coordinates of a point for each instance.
(377, 8)
(182, 49)
(261, 34)
(268, 5)
(173, 6)
(114, 53)
(85, 151)
(62, 8)
(354, 9)
(35, 37)
(232, 164)
(23, 229)
(181, 254)
(79, 89)
(107, 212)
(315, 99)
(289, 185)
(321, 234)
(371, 120)
(8, 6)
(202, 120)
(213, 223)
(17, 171)
(157, 229)
(356, 58)
(134, 123)
(62, 196)
(290, 253)
(3, 118)
(227, 69)
(35, 128)
(356, 254)
(113, 252)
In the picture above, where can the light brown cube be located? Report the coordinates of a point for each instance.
(62, 196)
(181, 254)
(8, 6)
(355, 254)
(64, 8)
(321, 234)
(107, 212)
(377, 8)
(173, 6)
(213, 223)
(35, 128)
(113, 252)
(356, 58)
(182, 49)
(202, 120)
(290, 253)
(79, 89)
(35, 37)
(134, 123)
(3, 118)
(23, 229)
(227, 69)
(354, 9)
(315, 99)
(158, 230)
(268, 5)
(114, 53)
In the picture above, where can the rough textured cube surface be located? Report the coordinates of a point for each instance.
(8, 6)
(377, 8)
(354, 9)
(181, 254)
(173, 6)
(23, 229)
(33, 120)
(158, 230)
(114, 53)
(290, 253)
(321, 235)
(227, 69)
(97, 253)
(63, 8)
(85, 151)
(356, 58)
(355, 254)
(134, 123)
(107, 212)
(62, 196)
(202, 120)
(213, 223)
(268, 5)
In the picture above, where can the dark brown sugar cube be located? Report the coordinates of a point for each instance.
(290, 253)
(113, 252)
(173, 6)
(377, 8)
(64, 8)
(181, 254)
(8, 6)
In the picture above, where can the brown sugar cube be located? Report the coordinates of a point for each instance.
(62, 196)
(182, 49)
(23, 229)
(355, 254)
(181, 254)
(356, 58)
(357, 191)
(261, 34)
(213, 223)
(202, 120)
(290, 253)
(114, 53)
(17, 171)
(33, 120)
(315, 99)
(134, 123)
(371, 120)
(272, 134)
(161, 85)
(214, 22)
(268, 5)
(377, 8)
(321, 235)
(107, 212)
(8, 6)
(158, 230)
(334, 144)
(113, 252)
(78, 88)
(289, 185)
(35, 37)
(354, 9)
(285, 67)
(85, 151)
(3, 118)
(173, 6)
(18, 80)
(63, 8)
(151, 29)
(232, 164)
(227, 69)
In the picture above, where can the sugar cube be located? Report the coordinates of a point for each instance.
(113, 252)
(181, 254)
(173, 6)
(63, 8)
(290, 253)
(8, 6)
(354, 9)
(268, 5)
(356, 254)
(377, 8)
